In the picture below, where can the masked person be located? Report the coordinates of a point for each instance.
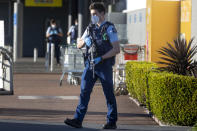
(102, 35)
(73, 33)
(54, 35)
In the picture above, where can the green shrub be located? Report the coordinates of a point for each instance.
(136, 79)
(173, 98)
(178, 57)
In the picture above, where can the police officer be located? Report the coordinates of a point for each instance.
(73, 33)
(102, 35)
(53, 35)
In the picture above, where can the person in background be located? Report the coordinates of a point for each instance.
(102, 35)
(54, 35)
(73, 33)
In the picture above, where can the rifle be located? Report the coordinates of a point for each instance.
(92, 49)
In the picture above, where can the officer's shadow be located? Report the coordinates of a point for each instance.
(36, 126)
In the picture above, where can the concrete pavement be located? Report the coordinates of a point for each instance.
(6, 125)
(45, 105)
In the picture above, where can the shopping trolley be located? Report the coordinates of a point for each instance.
(72, 62)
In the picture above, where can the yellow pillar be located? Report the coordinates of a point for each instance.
(163, 25)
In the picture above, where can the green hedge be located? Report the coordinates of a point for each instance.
(136, 79)
(171, 98)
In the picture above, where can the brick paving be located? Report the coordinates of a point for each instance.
(56, 110)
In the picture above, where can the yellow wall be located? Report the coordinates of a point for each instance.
(186, 18)
(163, 25)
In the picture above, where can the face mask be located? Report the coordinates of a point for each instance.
(95, 19)
(53, 26)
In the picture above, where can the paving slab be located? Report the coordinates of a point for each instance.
(50, 108)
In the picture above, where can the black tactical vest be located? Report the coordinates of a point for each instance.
(101, 42)
(54, 38)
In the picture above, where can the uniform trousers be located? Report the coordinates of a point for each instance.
(103, 72)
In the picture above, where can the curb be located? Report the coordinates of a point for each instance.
(150, 113)
(147, 111)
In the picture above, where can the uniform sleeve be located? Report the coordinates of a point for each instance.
(112, 33)
(70, 29)
(48, 29)
(85, 34)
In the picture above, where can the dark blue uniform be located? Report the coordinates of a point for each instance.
(73, 34)
(103, 36)
(55, 39)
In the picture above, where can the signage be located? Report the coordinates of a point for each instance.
(43, 3)
(186, 11)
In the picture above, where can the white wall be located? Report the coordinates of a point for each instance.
(135, 4)
(136, 27)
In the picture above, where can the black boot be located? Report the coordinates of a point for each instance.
(110, 125)
(73, 122)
